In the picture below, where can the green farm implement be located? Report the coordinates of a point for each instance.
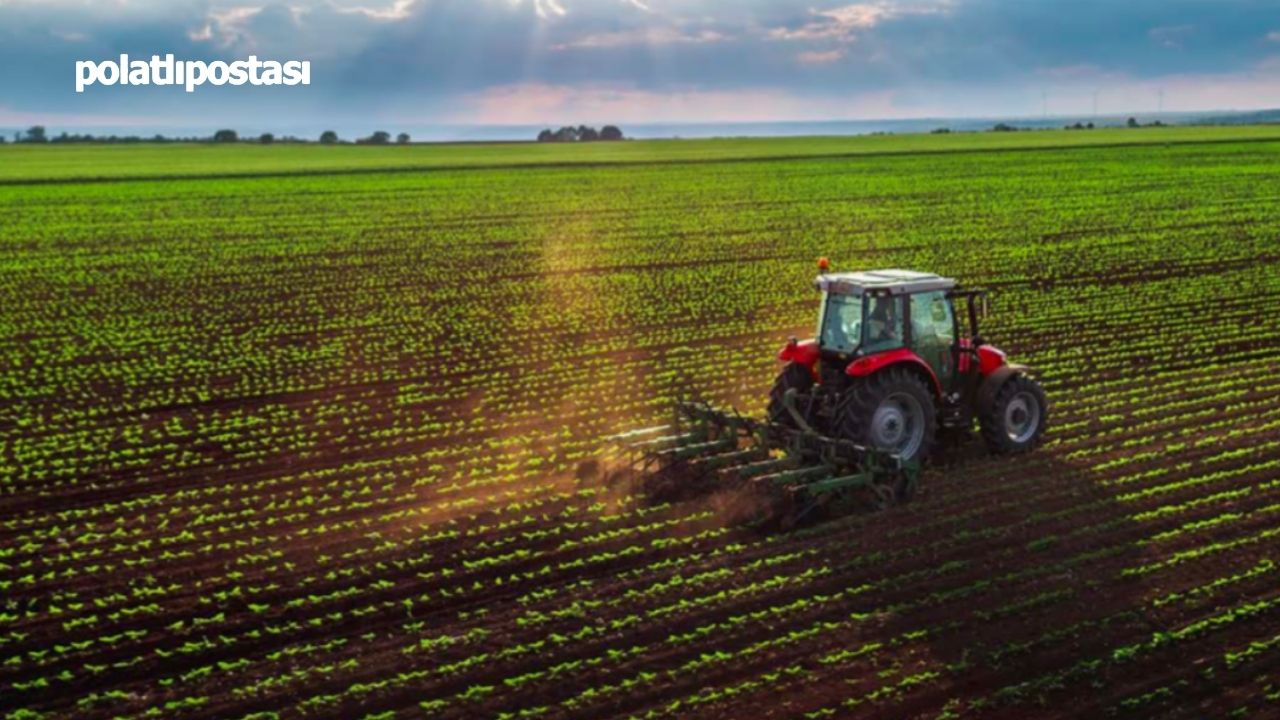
(783, 474)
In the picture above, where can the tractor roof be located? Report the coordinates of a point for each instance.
(895, 282)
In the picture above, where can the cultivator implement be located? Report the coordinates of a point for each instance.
(780, 473)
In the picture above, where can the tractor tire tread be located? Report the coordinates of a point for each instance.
(865, 395)
(793, 376)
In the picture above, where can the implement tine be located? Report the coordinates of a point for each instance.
(695, 450)
(639, 432)
(727, 461)
(799, 475)
(763, 467)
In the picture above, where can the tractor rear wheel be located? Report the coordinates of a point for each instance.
(1015, 421)
(793, 377)
(891, 410)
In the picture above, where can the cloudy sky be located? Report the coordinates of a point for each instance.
(630, 61)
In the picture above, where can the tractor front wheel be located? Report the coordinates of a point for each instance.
(891, 410)
(1016, 419)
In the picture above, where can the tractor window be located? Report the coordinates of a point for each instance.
(840, 326)
(884, 324)
(933, 332)
(931, 316)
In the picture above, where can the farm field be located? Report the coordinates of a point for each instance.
(323, 445)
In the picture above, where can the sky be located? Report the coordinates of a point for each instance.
(555, 62)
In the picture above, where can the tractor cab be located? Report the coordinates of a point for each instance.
(865, 313)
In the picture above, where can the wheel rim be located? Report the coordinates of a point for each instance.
(898, 425)
(1022, 417)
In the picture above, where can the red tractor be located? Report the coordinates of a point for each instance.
(856, 408)
(891, 364)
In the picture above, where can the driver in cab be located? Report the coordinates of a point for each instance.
(883, 326)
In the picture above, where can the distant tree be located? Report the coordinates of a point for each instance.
(225, 136)
(1003, 127)
(402, 139)
(582, 133)
(1132, 122)
(266, 138)
(35, 134)
(328, 137)
(940, 131)
(1089, 126)
(3, 140)
(380, 137)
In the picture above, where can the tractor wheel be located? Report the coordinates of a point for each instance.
(891, 410)
(793, 377)
(1016, 420)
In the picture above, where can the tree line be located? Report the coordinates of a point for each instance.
(582, 133)
(37, 134)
